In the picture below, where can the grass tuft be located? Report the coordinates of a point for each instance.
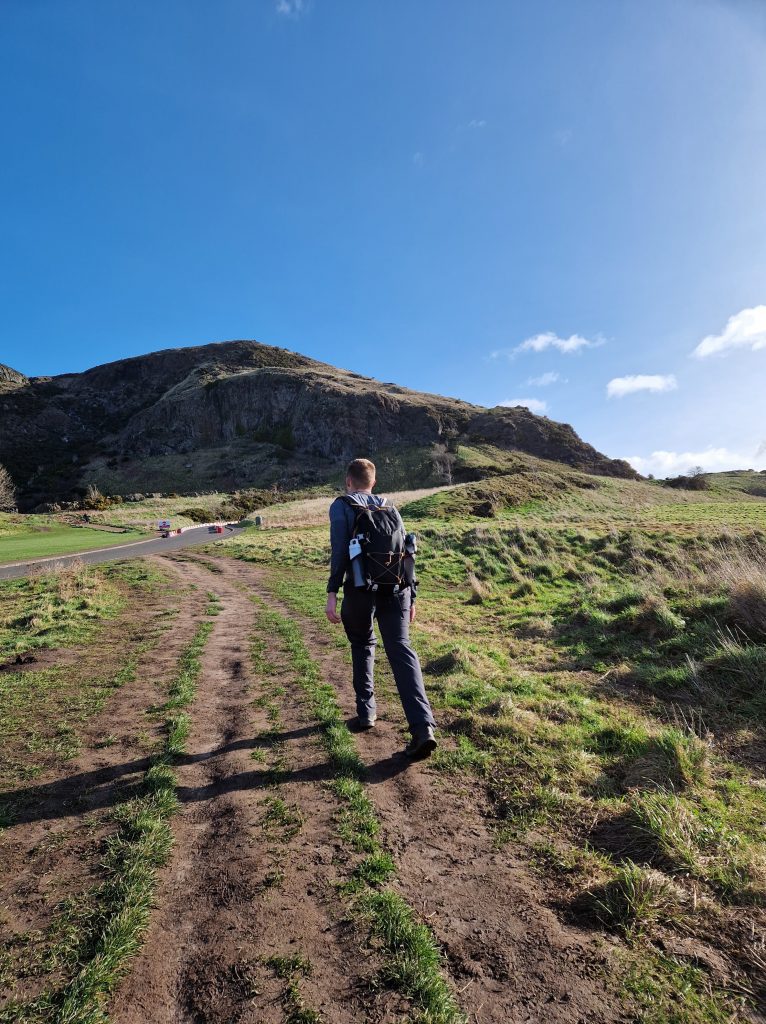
(634, 899)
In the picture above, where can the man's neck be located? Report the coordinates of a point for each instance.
(359, 490)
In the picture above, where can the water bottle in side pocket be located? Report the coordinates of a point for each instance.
(355, 554)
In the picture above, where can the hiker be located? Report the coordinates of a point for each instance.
(385, 590)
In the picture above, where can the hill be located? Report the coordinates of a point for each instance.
(241, 414)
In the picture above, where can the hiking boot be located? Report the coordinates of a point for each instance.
(366, 723)
(422, 744)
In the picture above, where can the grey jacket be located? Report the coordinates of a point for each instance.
(341, 529)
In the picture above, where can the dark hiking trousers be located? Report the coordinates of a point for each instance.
(392, 611)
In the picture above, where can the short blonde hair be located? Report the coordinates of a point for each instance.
(361, 472)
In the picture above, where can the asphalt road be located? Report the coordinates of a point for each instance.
(135, 549)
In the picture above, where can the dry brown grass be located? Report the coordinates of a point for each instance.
(479, 591)
(314, 511)
(742, 575)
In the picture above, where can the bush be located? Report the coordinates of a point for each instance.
(7, 491)
(198, 515)
(94, 499)
(688, 483)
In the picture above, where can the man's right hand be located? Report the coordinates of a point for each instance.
(331, 610)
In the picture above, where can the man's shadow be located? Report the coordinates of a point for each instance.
(85, 792)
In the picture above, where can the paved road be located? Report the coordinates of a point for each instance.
(135, 549)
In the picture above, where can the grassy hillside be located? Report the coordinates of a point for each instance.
(596, 652)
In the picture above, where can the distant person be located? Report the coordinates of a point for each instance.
(379, 584)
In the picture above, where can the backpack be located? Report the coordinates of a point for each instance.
(380, 531)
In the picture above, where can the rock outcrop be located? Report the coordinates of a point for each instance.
(10, 378)
(240, 414)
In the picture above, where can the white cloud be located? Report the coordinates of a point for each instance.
(418, 159)
(291, 8)
(621, 386)
(746, 329)
(543, 342)
(477, 123)
(546, 379)
(712, 460)
(533, 404)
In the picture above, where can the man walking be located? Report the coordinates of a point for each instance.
(392, 605)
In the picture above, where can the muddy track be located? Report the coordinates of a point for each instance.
(509, 956)
(240, 890)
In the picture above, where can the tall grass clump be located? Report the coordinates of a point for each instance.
(740, 670)
(634, 899)
(742, 577)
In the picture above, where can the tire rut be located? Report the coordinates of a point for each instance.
(237, 891)
(53, 847)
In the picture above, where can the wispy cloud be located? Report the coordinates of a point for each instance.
(563, 137)
(418, 159)
(533, 404)
(662, 463)
(746, 329)
(549, 340)
(546, 379)
(477, 123)
(618, 387)
(291, 8)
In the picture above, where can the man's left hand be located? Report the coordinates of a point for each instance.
(412, 612)
(331, 610)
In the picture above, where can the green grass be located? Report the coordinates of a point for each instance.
(36, 537)
(292, 969)
(96, 950)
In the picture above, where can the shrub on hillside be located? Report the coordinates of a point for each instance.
(198, 515)
(688, 483)
(94, 499)
(7, 491)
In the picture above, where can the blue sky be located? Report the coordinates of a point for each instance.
(413, 190)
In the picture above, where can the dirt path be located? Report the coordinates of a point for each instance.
(245, 886)
(509, 957)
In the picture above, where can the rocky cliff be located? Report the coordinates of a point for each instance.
(239, 414)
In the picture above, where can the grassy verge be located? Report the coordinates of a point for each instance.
(413, 959)
(23, 538)
(98, 938)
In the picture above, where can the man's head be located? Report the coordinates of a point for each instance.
(360, 475)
